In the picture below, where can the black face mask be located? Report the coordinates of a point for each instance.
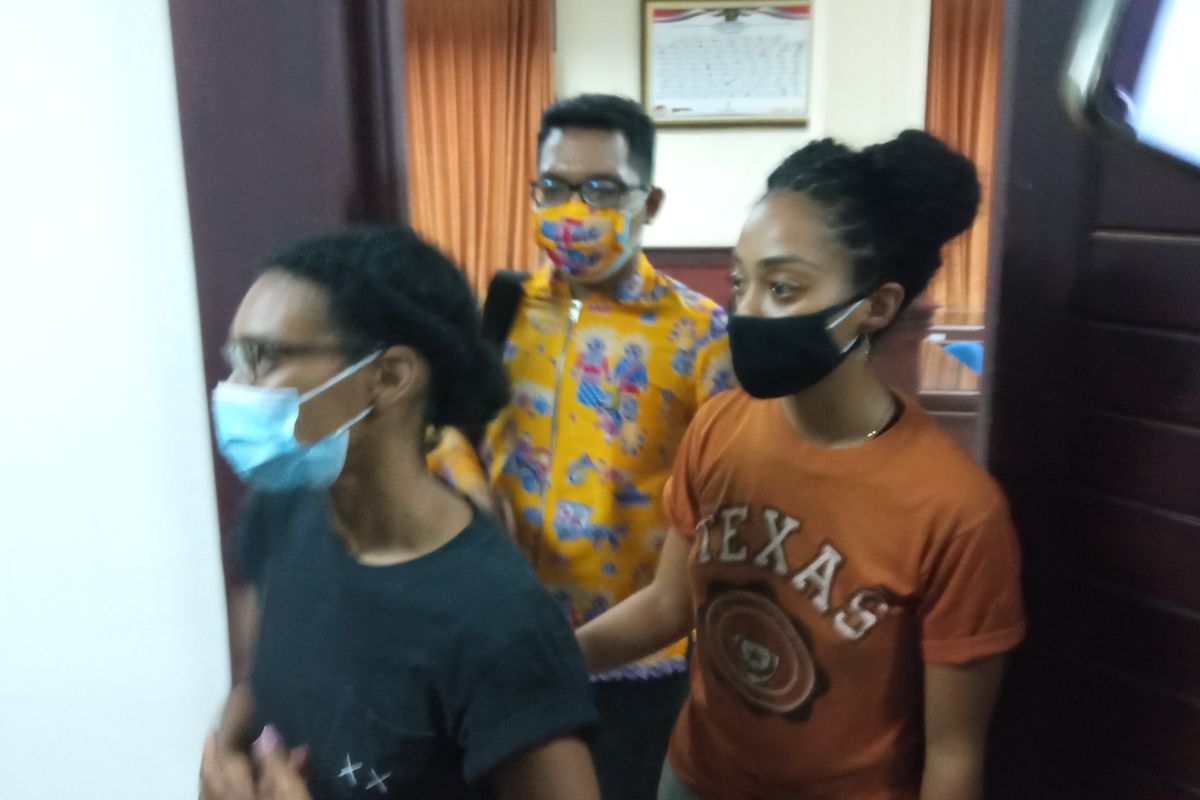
(783, 356)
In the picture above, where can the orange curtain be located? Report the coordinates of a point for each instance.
(478, 74)
(964, 81)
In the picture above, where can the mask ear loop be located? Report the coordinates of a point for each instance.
(357, 418)
(857, 340)
(341, 376)
(629, 214)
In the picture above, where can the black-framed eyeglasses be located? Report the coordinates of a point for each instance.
(257, 357)
(596, 192)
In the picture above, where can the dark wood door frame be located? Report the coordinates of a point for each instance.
(1095, 435)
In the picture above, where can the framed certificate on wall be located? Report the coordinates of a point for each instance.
(731, 62)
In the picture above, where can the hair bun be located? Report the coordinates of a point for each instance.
(936, 189)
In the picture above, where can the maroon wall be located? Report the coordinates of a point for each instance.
(705, 269)
(1096, 436)
(289, 128)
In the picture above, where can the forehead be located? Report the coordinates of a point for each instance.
(788, 224)
(282, 307)
(579, 153)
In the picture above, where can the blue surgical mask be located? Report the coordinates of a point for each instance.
(256, 433)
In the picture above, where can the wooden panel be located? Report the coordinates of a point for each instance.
(1027, 446)
(1140, 192)
(1105, 717)
(1049, 768)
(1150, 463)
(1080, 621)
(1152, 553)
(1140, 372)
(1151, 280)
(1098, 702)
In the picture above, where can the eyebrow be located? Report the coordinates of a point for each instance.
(771, 262)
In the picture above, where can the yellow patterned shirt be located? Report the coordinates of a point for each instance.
(602, 391)
(456, 464)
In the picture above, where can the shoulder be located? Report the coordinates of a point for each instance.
(722, 408)
(964, 494)
(697, 323)
(719, 423)
(266, 522)
(504, 593)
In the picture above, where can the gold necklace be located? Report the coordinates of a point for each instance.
(893, 412)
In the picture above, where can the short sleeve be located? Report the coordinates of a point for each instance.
(972, 607)
(680, 500)
(714, 367)
(533, 690)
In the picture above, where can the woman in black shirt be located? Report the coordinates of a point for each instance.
(398, 637)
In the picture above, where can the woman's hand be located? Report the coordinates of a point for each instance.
(647, 620)
(225, 774)
(280, 771)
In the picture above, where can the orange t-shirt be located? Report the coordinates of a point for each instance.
(822, 579)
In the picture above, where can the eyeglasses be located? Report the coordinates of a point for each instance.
(257, 357)
(596, 192)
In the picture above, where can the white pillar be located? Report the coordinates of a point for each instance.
(113, 648)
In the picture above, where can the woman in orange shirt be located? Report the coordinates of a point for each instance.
(851, 575)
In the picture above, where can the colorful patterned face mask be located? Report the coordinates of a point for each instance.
(586, 244)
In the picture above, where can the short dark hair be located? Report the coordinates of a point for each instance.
(606, 112)
(893, 205)
(387, 286)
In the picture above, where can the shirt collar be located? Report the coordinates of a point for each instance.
(546, 284)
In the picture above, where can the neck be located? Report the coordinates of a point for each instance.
(386, 506)
(608, 286)
(845, 408)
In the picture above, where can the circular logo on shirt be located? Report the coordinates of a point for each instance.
(757, 649)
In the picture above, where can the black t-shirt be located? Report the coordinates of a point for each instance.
(414, 680)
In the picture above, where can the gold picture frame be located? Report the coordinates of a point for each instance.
(708, 63)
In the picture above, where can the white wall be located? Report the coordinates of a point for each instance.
(113, 653)
(868, 83)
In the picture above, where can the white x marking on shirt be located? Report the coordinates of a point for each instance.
(349, 770)
(377, 782)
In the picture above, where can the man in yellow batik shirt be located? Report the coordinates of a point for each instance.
(609, 361)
